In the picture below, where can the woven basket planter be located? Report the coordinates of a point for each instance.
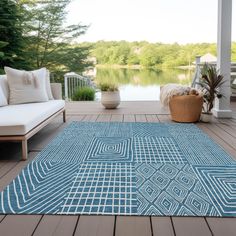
(186, 108)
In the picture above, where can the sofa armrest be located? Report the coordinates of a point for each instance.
(56, 91)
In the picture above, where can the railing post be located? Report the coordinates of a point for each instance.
(198, 60)
(66, 87)
(197, 71)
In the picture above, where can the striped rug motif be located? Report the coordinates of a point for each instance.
(126, 169)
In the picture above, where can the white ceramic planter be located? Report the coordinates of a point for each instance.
(110, 100)
(206, 117)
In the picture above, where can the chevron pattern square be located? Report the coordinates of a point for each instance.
(39, 189)
(126, 169)
(220, 185)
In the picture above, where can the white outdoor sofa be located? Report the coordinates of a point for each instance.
(21, 122)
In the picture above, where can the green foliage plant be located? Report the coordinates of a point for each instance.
(49, 41)
(108, 87)
(84, 94)
(150, 55)
(11, 39)
(210, 83)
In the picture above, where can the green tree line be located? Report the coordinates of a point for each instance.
(34, 34)
(148, 54)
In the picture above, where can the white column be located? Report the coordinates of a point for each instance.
(222, 106)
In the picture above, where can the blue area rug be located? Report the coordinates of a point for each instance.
(126, 169)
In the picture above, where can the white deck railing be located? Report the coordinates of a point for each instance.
(73, 82)
(199, 65)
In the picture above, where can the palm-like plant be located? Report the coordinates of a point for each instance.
(210, 82)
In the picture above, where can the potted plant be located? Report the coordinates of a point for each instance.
(185, 103)
(210, 83)
(110, 95)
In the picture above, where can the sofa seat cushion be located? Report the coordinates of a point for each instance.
(20, 119)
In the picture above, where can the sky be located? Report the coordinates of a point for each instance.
(166, 21)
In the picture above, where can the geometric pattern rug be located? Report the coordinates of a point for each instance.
(126, 169)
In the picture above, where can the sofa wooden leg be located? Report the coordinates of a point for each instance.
(64, 116)
(24, 150)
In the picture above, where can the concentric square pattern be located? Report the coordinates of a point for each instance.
(109, 149)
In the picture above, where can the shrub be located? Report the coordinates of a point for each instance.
(107, 87)
(84, 94)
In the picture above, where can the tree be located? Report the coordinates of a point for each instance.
(133, 59)
(119, 54)
(48, 39)
(149, 56)
(233, 55)
(11, 41)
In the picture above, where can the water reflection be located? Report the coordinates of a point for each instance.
(142, 84)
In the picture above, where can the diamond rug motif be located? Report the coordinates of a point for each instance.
(126, 169)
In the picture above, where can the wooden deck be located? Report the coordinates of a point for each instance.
(222, 131)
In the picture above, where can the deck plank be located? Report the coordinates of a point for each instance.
(152, 118)
(117, 118)
(194, 226)
(75, 118)
(129, 118)
(222, 226)
(2, 217)
(133, 226)
(56, 225)
(128, 107)
(221, 133)
(165, 119)
(95, 225)
(90, 118)
(22, 225)
(219, 140)
(44, 136)
(227, 121)
(104, 118)
(140, 118)
(230, 129)
(162, 226)
(8, 166)
(13, 172)
(3, 163)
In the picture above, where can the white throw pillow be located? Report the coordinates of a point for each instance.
(3, 99)
(48, 86)
(26, 86)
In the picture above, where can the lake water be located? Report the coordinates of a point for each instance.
(143, 84)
